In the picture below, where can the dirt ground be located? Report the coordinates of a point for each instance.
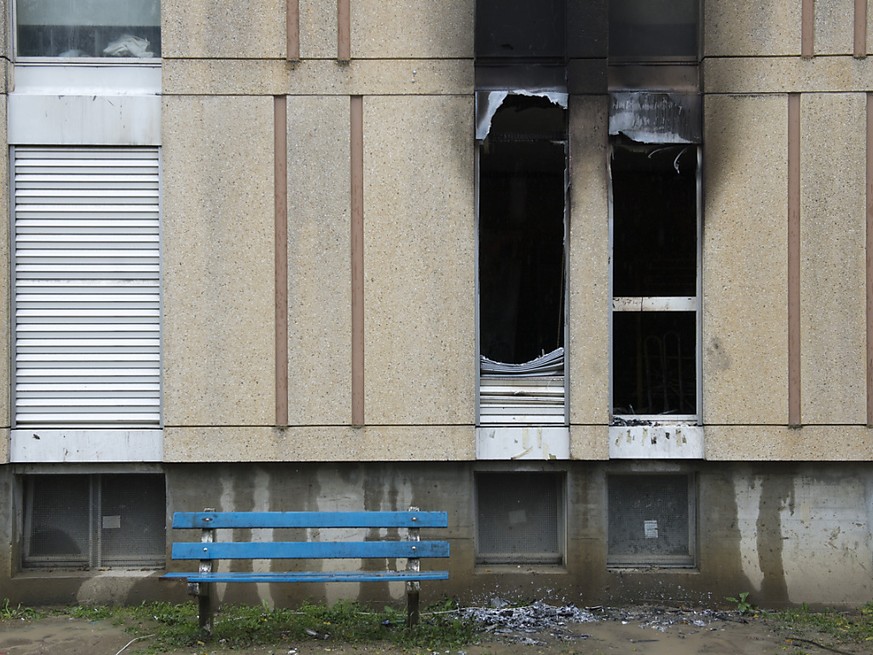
(650, 631)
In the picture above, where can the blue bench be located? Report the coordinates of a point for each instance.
(209, 550)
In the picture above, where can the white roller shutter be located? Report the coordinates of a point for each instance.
(87, 287)
(521, 400)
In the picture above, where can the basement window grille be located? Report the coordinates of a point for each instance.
(94, 521)
(651, 520)
(520, 518)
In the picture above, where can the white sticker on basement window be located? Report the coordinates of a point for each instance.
(517, 517)
(112, 522)
(651, 529)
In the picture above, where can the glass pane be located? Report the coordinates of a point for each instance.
(133, 520)
(89, 28)
(648, 517)
(518, 517)
(642, 29)
(520, 28)
(58, 510)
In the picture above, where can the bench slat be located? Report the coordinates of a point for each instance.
(185, 520)
(309, 550)
(312, 576)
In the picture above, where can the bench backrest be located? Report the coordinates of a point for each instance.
(411, 548)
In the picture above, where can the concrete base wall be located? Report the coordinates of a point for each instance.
(787, 533)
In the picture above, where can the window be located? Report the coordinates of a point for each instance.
(651, 520)
(87, 287)
(128, 29)
(94, 521)
(520, 518)
(654, 281)
(653, 29)
(522, 215)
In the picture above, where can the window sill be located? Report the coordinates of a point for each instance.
(82, 574)
(658, 441)
(524, 569)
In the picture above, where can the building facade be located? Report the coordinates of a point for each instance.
(592, 277)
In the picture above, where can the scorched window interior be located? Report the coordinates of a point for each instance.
(654, 277)
(521, 231)
(72, 29)
(520, 29)
(94, 521)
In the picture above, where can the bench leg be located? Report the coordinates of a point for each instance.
(204, 602)
(412, 613)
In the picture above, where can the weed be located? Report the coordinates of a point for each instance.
(842, 626)
(744, 606)
(10, 613)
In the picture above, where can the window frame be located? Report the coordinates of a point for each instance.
(658, 304)
(90, 61)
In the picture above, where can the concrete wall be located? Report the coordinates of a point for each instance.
(787, 533)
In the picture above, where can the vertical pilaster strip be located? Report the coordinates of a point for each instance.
(280, 254)
(343, 30)
(869, 255)
(292, 29)
(356, 151)
(860, 41)
(807, 29)
(794, 415)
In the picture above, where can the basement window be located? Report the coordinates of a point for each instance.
(651, 520)
(655, 281)
(73, 29)
(94, 521)
(522, 263)
(520, 518)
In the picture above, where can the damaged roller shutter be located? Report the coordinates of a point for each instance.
(87, 287)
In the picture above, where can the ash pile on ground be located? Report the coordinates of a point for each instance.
(519, 624)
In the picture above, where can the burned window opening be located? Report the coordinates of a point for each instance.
(522, 181)
(654, 278)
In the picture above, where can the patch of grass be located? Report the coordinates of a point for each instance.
(10, 613)
(842, 626)
(170, 626)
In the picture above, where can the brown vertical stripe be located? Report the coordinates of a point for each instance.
(794, 417)
(343, 30)
(292, 28)
(860, 49)
(870, 259)
(356, 151)
(807, 28)
(280, 181)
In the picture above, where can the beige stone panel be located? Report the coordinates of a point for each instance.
(320, 444)
(318, 36)
(319, 268)
(588, 303)
(834, 27)
(412, 29)
(4, 445)
(225, 30)
(318, 77)
(787, 74)
(5, 281)
(589, 442)
(218, 261)
(419, 261)
(751, 27)
(815, 443)
(745, 311)
(833, 268)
